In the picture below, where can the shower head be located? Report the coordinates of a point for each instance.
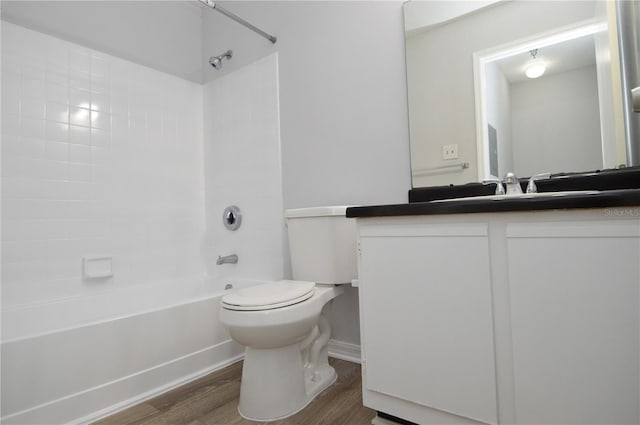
(216, 61)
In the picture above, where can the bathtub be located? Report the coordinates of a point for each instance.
(76, 360)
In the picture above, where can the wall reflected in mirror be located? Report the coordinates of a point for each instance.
(567, 120)
(543, 100)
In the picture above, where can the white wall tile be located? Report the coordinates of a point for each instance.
(58, 75)
(11, 145)
(10, 83)
(77, 133)
(32, 87)
(10, 104)
(100, 99)
(33, 108)
(11, 124)
(56, 92)
(32, 148)
(80, 153)
(80, 116)
(32, 65)
(101, 120)
(57, 151)
(87, 169)
(79, 172)
(55, 131)
(243, 168)
(80, 96)
(57, 112)
(57, 189)
(33, 127)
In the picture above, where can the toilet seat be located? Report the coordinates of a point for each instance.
(269, 296)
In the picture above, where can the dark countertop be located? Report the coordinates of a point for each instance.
(604, 199)
(619, 188)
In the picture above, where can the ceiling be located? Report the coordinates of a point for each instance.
(163, 34)
(561, 57)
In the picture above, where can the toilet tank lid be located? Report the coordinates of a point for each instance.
(339, 210)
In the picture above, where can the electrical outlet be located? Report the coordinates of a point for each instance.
(450, 151)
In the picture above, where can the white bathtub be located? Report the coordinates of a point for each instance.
(79, 359)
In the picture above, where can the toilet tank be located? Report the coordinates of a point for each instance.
(322, 242)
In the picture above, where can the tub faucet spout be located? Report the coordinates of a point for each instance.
(228, 259)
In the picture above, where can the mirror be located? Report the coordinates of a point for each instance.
(474, 115)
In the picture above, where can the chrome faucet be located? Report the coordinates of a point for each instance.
(229, 259)
(512, 183)
(499, 186)
(531, 186)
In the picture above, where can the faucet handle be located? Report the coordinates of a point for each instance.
(499, 186)
(531, 186)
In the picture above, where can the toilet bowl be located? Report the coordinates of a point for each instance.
(281, 323)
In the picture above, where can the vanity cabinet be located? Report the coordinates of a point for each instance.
(574, 296)
(523, 318)
(427, 310)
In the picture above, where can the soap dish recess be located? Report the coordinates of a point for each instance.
(97, 267)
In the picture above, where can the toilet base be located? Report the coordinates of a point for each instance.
(324, 378)
(274, 384)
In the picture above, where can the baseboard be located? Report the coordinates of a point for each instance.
(88, 406)
(344, 351)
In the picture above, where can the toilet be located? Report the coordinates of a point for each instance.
(282, 324)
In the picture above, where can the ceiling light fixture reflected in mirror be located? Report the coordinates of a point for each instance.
(536, 67)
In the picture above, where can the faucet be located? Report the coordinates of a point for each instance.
(499, 186)
(228, 259)
(510, 181)
(513, 184)
(531, 186)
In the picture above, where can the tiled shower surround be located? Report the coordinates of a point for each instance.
(100, 157)
(106, 158)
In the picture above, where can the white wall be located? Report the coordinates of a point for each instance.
(170, 40)
(243, 168)
(421, 15)
(342, 94)
(343, 113)
(100, 156)
(499, 114)
(440, 74)
(561, 107)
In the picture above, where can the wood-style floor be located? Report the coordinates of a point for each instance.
(213, 400)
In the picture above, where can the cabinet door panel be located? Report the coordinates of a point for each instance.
(574, 308)
(427, 321)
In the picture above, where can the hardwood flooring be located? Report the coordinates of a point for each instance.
(213, 400)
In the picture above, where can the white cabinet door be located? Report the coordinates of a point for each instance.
(574, 290)
(427, 318)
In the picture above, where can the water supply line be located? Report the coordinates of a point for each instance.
(212, 4)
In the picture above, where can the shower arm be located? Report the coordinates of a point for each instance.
(212, 4)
